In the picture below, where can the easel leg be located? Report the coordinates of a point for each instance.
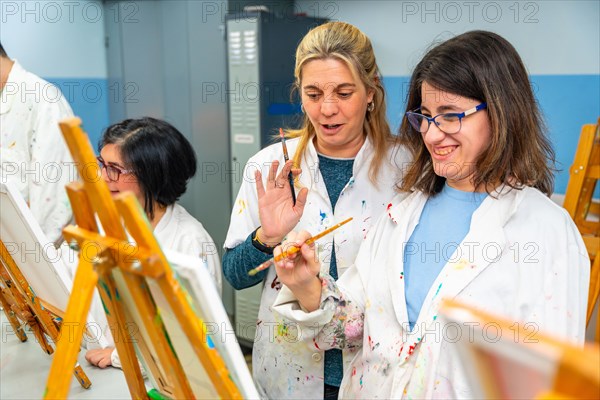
(65, 357)
(7, 300)
(31, 309)
(123, 343)
(10, 315)
(38, 332)
(594, 287)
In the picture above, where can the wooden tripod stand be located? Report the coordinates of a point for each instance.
(29, 296)
(584, 175)
(122, 272)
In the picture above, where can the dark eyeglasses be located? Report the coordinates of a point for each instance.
(449, 123)
(113, 172)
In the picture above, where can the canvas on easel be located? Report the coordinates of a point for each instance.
(512, 360)
(152, 316)
(34, 282)
(197, 282)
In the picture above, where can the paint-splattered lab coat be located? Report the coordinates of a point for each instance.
(179, 231)
(33, 153)
(284, 365)
(523, 258)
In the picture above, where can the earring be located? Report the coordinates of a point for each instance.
(302, 108)
(371, 106)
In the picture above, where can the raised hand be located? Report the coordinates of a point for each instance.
(276, 209)
(300, 271)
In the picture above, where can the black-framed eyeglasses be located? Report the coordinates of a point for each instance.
(449, 123)
(113, 172)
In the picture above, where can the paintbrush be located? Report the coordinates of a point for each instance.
(294, 249)
(286, 158)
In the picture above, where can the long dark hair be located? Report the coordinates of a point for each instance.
(161, 158)
(485, 67)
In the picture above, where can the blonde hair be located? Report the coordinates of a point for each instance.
(345, 42)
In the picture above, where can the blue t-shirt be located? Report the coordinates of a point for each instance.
(443, 225)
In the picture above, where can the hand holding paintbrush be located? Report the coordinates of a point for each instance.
(294, 249)
(299, 268)
(278, 206)
(286, 158)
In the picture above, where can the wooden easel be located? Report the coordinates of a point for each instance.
(584, 175)
(110, 257)
(7, 300)
(23, 308)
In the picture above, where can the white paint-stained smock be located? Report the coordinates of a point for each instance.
(33, 153)
(284, 365)
(523, 258)
(179, 231)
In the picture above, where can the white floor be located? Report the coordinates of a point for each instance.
(24, 368)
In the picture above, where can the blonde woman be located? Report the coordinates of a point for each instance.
(347, 166)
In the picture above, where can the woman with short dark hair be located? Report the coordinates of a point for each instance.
(152, 159)
(157, 159)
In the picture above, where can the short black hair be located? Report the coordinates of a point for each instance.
(161, 158)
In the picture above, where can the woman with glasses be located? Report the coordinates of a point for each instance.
(152, 159)
(477, 226)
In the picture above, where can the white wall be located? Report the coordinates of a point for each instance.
(558, 40)
(552, 37)
(57, 39)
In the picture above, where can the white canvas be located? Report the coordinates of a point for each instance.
(35, 255)
(520, 367)
(193, 276)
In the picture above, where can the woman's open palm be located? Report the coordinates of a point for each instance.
(277, 212)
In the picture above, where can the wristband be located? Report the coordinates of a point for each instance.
(265, 248)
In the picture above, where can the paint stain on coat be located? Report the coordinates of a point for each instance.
(241, 206)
